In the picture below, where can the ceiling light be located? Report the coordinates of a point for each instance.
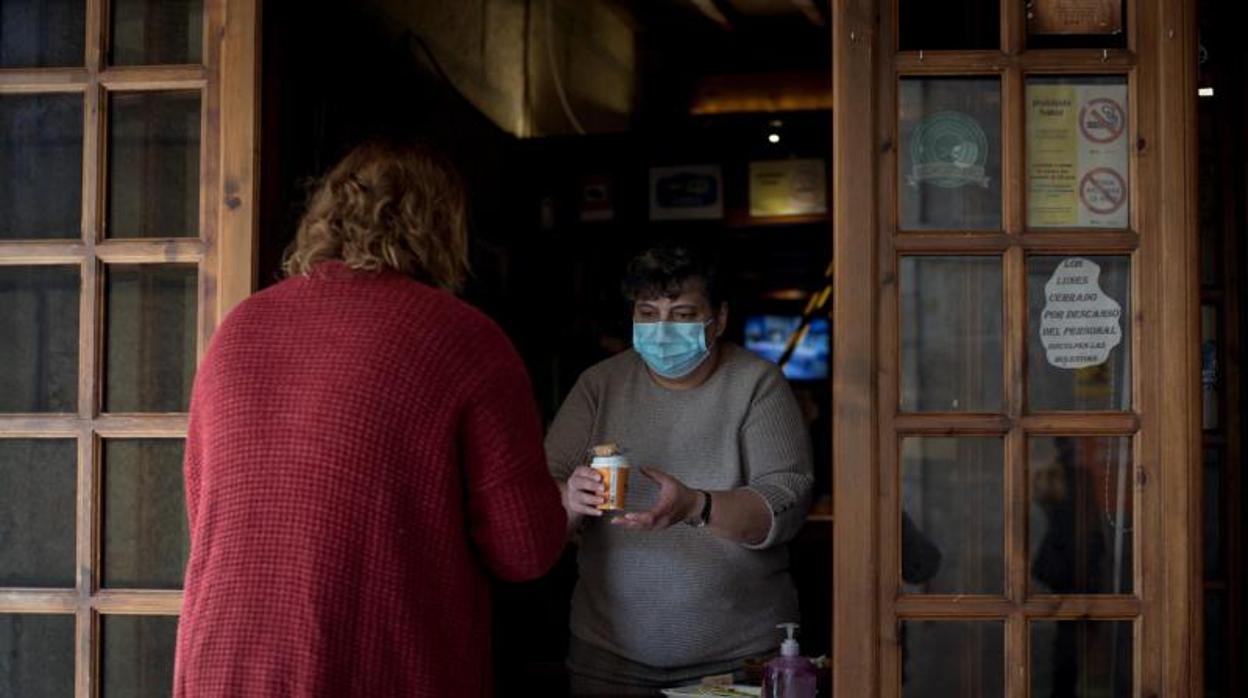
(1205, 92)
(773, 138)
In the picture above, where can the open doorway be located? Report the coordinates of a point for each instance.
(586, 131)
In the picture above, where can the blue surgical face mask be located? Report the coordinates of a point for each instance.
(671, 349)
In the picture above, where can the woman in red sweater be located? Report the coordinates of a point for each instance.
(363, 452)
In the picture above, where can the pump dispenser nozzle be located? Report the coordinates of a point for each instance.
(789, 647)
(790, 675)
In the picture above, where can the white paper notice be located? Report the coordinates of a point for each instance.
(1081, 323)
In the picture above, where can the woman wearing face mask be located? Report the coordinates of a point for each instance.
(693, 579)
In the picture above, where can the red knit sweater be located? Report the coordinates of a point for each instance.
(363, 452)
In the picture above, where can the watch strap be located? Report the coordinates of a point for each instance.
(704, 517)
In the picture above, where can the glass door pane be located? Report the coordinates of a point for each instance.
(39, 353)
(1082, 658)
(155, 32)
(151, 337)
(42, 33)
(145, 529)
(953, 516)
(38, 481)
(36, 655)
(40, 165)
(1081, 528)
(138, 656)
(952, 658)
(951, 334)
(153, 164)
(949, 175)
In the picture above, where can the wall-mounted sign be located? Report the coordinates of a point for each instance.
(1081, 323)
(690, 192)
(1077, 155)
(788, 187)
(1074, 16)
(950, 150)
(596, 199)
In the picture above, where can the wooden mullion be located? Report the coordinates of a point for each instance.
(39, 426)
(1084, 240)
(38, 601)
(950, 424)
(1054, 242)
(42, 253)
(1017, 664)
(83, 565)
(148, 78)
(1057, 424)
(984, 63)
(1082, 424)
(86, 651)
(138, 602)
(1013, 27)
(954, 606)
(888, 537)
(951, 242)
(953, 63)
(951, 607)
(1017, 655)
(150, 251)
(1016, 558)
(86, 666)
(43, 80)
(888, 369)
(1122, 607)
(1013, 150)
(141, 426)
(1086, 61)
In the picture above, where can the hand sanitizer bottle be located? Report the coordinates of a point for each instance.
(790, 675)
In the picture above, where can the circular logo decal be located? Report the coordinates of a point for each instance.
(948, 149)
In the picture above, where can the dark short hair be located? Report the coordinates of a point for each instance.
(663, 270)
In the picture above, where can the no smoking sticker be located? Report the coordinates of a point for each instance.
(1103, 191)
(1102, 120)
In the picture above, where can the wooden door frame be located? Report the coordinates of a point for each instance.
(237, 188)
(224, 254)
(1167, 319)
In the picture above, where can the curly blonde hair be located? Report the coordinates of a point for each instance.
(387, 205)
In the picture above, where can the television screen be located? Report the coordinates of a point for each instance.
(767, 335)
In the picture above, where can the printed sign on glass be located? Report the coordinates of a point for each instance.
(1077, 153)
(1080, 322)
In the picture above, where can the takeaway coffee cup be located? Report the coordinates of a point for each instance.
(614, 471)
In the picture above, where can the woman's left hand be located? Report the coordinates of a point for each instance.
(676, 504)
